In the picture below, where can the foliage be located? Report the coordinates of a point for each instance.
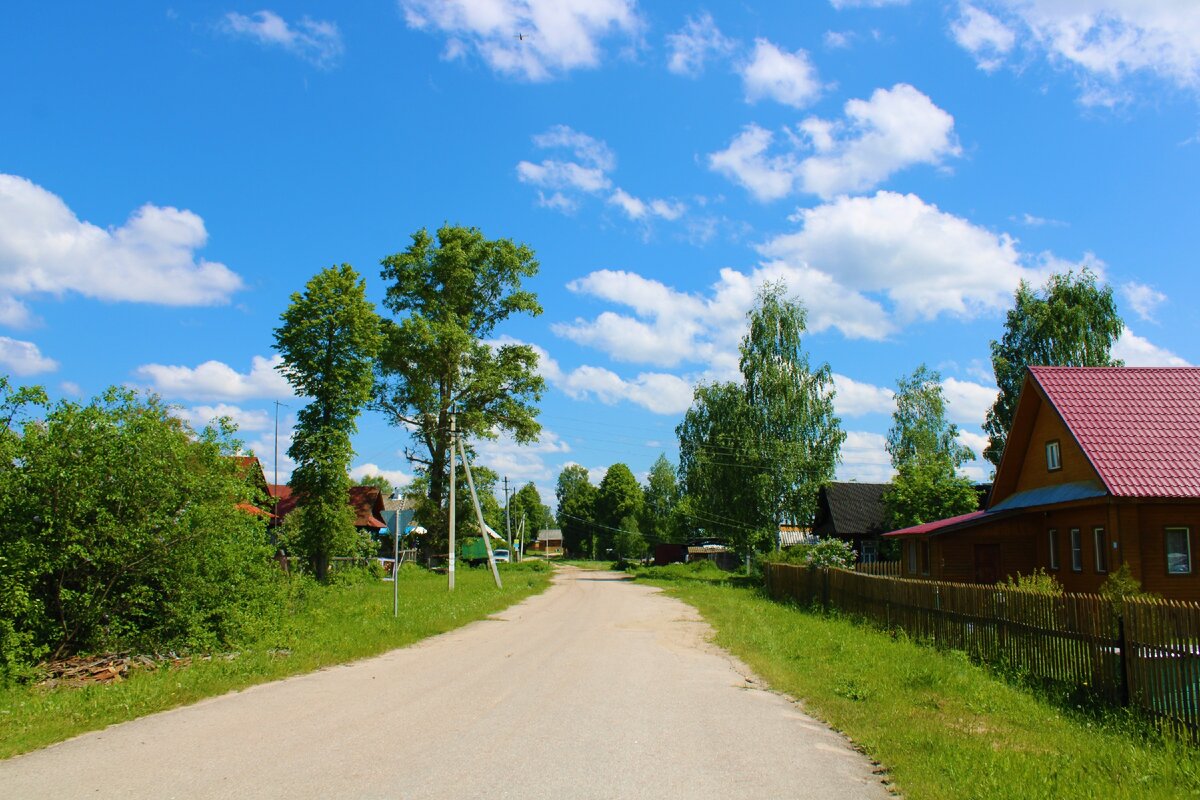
(320, 625)
(628, 543)
(660, 520)
(526, 503)
(1121, 585)
(328, 339)
(836, 553)
(619, 498)
(379, 482)
(577, 510)
(448, 298)
(1038, 581)
(1073, 323)
(754, 455)
(122, 530)
(926, 453)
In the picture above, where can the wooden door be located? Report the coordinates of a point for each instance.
(987, 563)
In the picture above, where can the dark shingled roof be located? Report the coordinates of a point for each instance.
(850, 509)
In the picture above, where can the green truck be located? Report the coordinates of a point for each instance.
(474, 552)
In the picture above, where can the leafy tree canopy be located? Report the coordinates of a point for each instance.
(448, 296)
(379, 482)
(576, 509)
(660, 514)
(1073, 322)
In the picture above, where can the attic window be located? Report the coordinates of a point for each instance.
(1053, 456)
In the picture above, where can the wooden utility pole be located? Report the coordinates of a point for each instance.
(450, 567)
(508, 522)
(483, 529)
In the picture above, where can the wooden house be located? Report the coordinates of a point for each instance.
(852, 512)
(367, 502)
(1101, 468)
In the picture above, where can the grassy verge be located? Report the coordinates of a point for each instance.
(324, 625)
(944, 728)
(586, 563)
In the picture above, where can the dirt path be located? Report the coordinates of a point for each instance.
(598, 688)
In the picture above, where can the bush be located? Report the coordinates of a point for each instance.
(122, 531)
(1038, 581)
(822, 553)
(1120, 586)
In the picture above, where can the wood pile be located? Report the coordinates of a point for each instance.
(112, 667)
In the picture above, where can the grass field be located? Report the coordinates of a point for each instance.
(323, 625)
(942, 726)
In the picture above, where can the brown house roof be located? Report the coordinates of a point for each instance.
(367, 502)
(850, 509)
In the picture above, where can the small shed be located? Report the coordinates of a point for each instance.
(549, 542)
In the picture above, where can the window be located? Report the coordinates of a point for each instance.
(1101, 549)
(870, 551)
(1053, 456)
(1053, 548)
(925, 557)
(912, 558)
(1179, 551)
(1076, 550)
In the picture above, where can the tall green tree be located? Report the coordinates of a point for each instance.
(1073, 322)
(619, 498)
(753, 455)
(660, 520)
(379, 482)
(329, 339)
(576, 497)
(448, 296)
(926, 454)
(526, 503)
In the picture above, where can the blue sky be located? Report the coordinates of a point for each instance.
(170, 174)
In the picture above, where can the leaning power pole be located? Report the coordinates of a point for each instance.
(508, 521)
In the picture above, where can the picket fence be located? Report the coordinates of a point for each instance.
(1141, 653)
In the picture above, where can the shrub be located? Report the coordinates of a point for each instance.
(1038, 581)
(822, 553)
(1120, 586)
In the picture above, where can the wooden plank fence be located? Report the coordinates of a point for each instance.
(1143, 653)
(891, 568)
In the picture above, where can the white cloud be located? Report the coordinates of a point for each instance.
(925, 261)
(46, 249)
(836, 40)
(1032, 221)
(865, 458)
(1137, 351)
(659, 392)
(24, 358)
(746, 162)
(551, 174)
(967, 403)
(247, 420)
(585, 148)
(773, 74)
(396, 477)
(71, 388)
(316, 41)
(1106, 41)
(531, 39)
(895, 129)
(986, 38)
(892, 130)
(697, 41)
(637, 209)
(856, 398)
(214, 380)
(976, 441)
(1144, 299)
(522, 462)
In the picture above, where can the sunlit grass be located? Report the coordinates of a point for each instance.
(942, 726)
(322, 626)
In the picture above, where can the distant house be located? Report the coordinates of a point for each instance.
(794, 534)
(852, 512)
(549, 542)
(367, 502)
(1101, 468)
(250, 469)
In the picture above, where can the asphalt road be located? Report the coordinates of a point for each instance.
(598, 688)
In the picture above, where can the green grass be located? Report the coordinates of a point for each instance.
(324, 625)
(583, 563)
(942, 726)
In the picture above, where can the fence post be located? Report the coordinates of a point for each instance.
(825, 589)
(1123, 647)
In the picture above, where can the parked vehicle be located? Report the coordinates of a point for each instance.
(501, 555)
(474, 552)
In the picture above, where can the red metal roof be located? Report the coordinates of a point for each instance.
(1139, 426)
(937, 525)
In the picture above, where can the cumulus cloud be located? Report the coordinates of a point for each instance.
(985, 37)
(522, 462)
(865, 458)
(398, 478)
(215, 380)
(925, 261)
(24, 358)
(1103, 41)
(661, 393)
(247, 420)
(46, 250)
(891, 131)
(1137, 351)
(774, 74)
(534, 40)
(1144, 299)
(967, 403)
(856, 398)
(697, 41)
(316, 41)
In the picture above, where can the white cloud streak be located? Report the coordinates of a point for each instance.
(215, 380)
(316, 41)
(775, 74)
(24, 358)
(694, 44)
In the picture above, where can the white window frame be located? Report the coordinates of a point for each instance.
(1076, 550)
(1100, 540)
(1187, 545)
(1053, 537)
(1053, 456)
